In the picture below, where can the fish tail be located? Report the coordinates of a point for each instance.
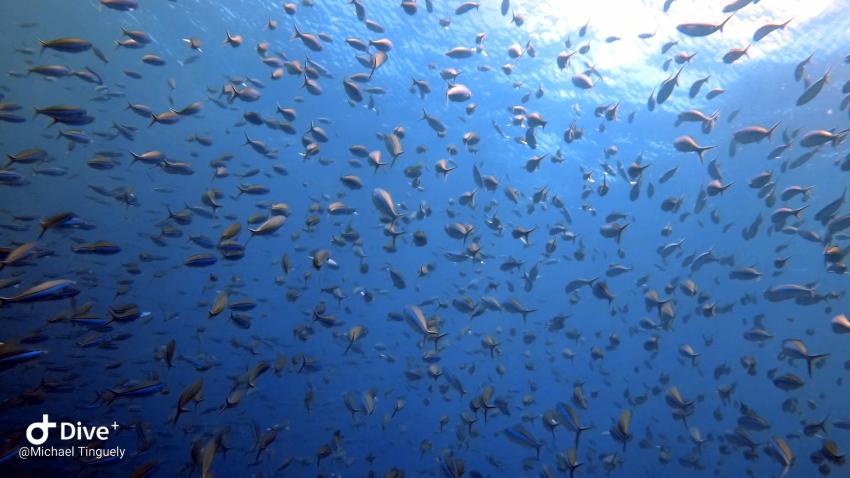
(772, 129)
(153, 120)
(723, 24)
(620, 232)
(810, 360)
(402, 214)
(839, 137)
(702, 152)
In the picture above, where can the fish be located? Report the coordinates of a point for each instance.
(120, 5)
(702, 29)
(785, 292)
(816, 138)
(687, 144)
(814, 89)
(769, 28)
(827, 212)
(383, 202)
(308, 39)
(735, 54)
(46, 291)
(697, 86)
(269, 226)
(754, 134)
(11, 356)
(519, 434)
(667, 87)
(192, 392)
(415, 314)
(66, 45)
(620, 431)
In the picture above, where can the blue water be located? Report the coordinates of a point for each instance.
(600, 346)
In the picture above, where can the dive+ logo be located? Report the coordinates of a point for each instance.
(38, 432)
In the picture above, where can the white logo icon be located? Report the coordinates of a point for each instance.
(43, 426)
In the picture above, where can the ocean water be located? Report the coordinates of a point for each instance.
(669, 302)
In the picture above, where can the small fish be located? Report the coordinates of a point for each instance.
(702, 29)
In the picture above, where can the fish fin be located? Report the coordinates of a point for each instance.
(772, 129)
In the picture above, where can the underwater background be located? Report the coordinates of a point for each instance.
(453, 270)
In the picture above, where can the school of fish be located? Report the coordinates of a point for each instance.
(415, 238)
